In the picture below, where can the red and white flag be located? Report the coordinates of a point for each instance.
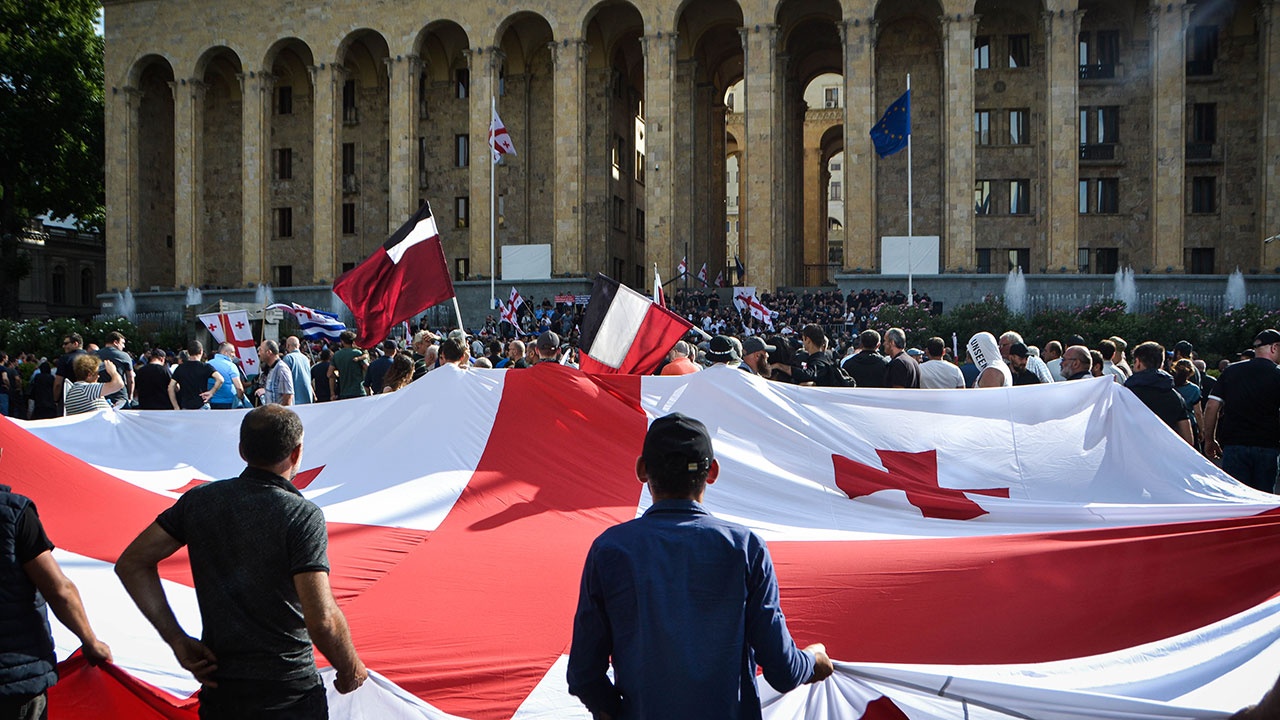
(499, 138)
(507, 313)
(405, 276)
(720, 279)
(515, 300)
(702, 274)
(683, 268)
(233, 327)
(626, 332)
(1051, 551)
(746, 301)
(659, 296)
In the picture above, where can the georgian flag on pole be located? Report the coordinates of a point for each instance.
(515, 301)
(507, 313)
(683, 268)
(233, 327)
(702, 274)
(626, 332)
(720, 279)
(1051, 552)
(659, 296)
(746, 301)
(405, 276)
(499, 138)
(315, 324)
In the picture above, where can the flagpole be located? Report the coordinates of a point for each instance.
(493, 219)
(910, 232)
(458, 313)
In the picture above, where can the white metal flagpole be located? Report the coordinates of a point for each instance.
(910, 233)
(493, 220)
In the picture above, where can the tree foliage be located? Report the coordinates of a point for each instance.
(51, 123)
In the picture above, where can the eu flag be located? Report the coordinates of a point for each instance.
(891, 133)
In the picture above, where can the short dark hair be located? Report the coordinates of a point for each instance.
(268, 434)
(1151, 354)
(869, 339)
(815, 334)
(195, 348)
(347, 337)
(325, 354)
(453, 349)
(1107, 348)
(75, 338)
(936, 347)
(115, 336)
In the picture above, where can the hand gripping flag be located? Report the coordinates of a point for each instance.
(233, 327)
(315, 324)
(499, 138)
(893, 131)
(405, 276)
(626, 332)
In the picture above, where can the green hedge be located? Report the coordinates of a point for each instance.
(44, 337)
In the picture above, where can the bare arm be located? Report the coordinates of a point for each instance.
(64, 600)
(328, 628)
(1210, 428)
(173, 393)
(991, 377)
(138, 569)
(217, 383)
(1184, 432)
(114, 381)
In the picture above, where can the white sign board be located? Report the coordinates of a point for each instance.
(526, 262)
(900, 254)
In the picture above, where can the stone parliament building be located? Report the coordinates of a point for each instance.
(280, 142)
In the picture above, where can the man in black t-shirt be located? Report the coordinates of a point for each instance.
(189, 389)
(902, 371)
(151, 383)
(113, 352)
(1242, 419)
(73, 347)
(32, 580)
(258, 553)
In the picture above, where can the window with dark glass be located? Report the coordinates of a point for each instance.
(461, 150)
(982, 53)
(1099, 132)
(1204, 195)
(86, 287)
(282, 275)
(462, 211)
(461, 83)
(284, 163)
(1201, 261)
(284, 222)
(1019, 197)
(349, 102)
(982, 197)
(284, 100)
(983, 260)
(59, 285)
(1203, 51)
(1204, 131)
(1107, 260)
(1018, 127)
(1019, 51)
(1108, 201)
(348, 218)
(982, 127)
(1020, 258)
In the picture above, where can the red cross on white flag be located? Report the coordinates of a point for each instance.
(233, 327)
(499, 138)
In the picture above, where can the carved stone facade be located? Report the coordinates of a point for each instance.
(281, 143)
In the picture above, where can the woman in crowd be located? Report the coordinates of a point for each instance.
(85, 393)
(399, 374)
(1183, 372)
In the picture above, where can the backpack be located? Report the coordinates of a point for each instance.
(832, 375)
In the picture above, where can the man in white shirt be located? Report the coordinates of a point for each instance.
(936, 373)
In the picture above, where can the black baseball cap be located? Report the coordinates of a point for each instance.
(1019, 349)
(1266, 337)
(678, 443)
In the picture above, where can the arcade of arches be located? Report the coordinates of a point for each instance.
(254, 145)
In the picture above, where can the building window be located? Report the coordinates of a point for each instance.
(348, 267)
(502, 81)
(282, 275)
(982, 197)
(461, 83)
(1201, 261)
(1020, 258)
(1083, 203)
(284, 100)
(461, 150)
(639, 167)
(86, 287)
(1204, 192)
(1019, 197)
(1019, 51)
(59, 285)
(349, 113)
(1204, 131)
(982, 127)
(1107, 260)
(1203, 51)
(349, 168)
(615, 155)
(831, 98)
(1108, 201)
(834, 191)
(1099, 54)
(1018, 127)
(1099, 132)
(639, 234)
(982, 53)
(284, 222)
(462, 211)
(284, 163)
(348, 218)
(1082, 260)
(728, 102)
(619, 213)
(983, 261)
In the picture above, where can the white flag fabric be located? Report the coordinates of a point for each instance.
(499, 138)
(1051, 551)
(746, 301)
(233, 327)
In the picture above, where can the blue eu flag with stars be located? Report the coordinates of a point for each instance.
(891, 133)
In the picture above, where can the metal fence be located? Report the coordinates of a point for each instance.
(1211, 303)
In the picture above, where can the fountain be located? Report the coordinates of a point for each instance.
(1126, 289)
(1235, 297)
(194, 296)
(125, 305)
(1015, 292)
(263, 297)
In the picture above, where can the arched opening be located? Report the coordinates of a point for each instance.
(218, 249)
(823, 138)
(732, 186)
(364, 152)
(615, 149)
(525, 204)
(444, 113)
(292, 162)
(88, 291)
(154, 228)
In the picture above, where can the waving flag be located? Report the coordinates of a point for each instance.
(233, 327)
(659, 296)
(746, 301)
(742, 269)
(683, 268)
(893, 131)
(515, 300)
(315, 324)
(499, 138)
(702, 274)
(626, 332)
(507, 313)
(1050, 552)
(720, 279)
(405, 276)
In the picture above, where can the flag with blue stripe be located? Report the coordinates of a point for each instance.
(315, 324)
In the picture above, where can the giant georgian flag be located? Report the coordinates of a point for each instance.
(1050, 551)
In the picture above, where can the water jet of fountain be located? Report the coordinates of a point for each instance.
(1015, 292)
(1126, 289)
(1235, 297)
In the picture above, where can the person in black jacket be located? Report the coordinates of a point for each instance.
(815, 366)
(1154, 387)
(867, 366)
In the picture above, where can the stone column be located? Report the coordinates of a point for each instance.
(1062, 139)
(123, 268)
(402, 72)
(567, 251)
(814, 180)
(188, 179)
(1168, 132)
(1269, 132)
(326, 117)
(957, 132)
(255, 175)
(484, 69)
(859, 39)
(662, 244)
(760, 156)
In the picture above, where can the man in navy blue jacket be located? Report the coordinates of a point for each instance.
(685, 604)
